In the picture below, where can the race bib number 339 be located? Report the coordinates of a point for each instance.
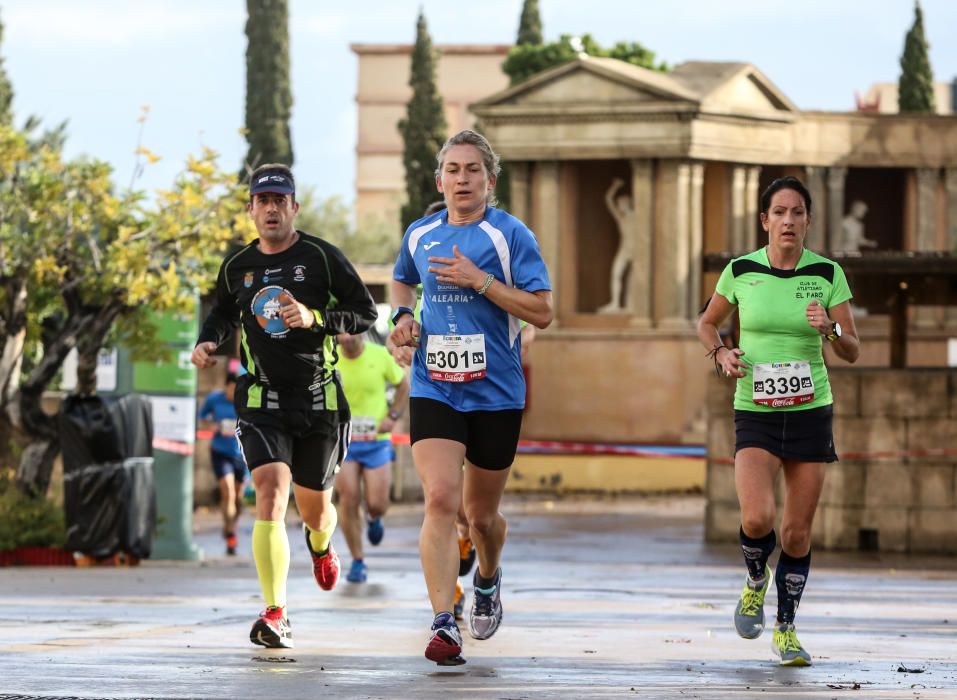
(783, 384)
(455, 358)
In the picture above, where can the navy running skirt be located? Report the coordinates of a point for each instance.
(803, 436)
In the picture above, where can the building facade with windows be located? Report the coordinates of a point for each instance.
(464, 74)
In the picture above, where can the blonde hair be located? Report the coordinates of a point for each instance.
(490, 158)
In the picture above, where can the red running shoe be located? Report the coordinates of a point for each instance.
(445, 641)
(272, 629)
(325, 567)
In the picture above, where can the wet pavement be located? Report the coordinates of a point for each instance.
(603, 598)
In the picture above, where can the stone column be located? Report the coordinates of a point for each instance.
(639, 296)
(751, 207)
(835, 207)
(546, 221)
(520, 173)
(738, 209)
(672, 257)
(950, 244)
(926, 234)
(814, 179)
(696, 231)
(925, 238)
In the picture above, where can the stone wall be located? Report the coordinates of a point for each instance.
(895, 486)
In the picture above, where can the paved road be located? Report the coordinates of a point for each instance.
(604, 598)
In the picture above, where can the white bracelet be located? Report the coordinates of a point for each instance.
(488, 283)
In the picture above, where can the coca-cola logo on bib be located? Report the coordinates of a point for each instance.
(779, 403)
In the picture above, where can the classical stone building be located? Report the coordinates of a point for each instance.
(636, 181)
(464, 73)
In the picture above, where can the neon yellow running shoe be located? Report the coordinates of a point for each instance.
(786, 646)
(749, 614)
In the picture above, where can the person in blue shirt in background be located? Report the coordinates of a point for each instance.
(219, 415)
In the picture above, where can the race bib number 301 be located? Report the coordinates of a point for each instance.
(455, 358)
(783, 384)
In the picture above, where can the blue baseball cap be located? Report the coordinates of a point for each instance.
(275, 181)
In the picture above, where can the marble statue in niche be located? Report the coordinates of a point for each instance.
(622, 210)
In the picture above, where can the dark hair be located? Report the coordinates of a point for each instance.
(785, 183)
(230, 378)
(434, 207)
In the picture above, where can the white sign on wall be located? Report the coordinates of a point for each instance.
(174, 418)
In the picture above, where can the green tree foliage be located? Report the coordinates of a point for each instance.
(524, 61)
(28, 522)
(76, 258)
(916, 83)
(6, 90)
(423, 128)
(530, 25)
(268, 91)
(373, 242)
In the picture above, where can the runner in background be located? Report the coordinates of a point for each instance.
(218, 415)
(366, 370)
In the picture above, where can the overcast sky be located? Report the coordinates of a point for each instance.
(97, 62)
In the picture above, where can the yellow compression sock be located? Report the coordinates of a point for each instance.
(271, 552)
(319, 539)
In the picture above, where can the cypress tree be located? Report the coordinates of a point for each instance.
(423, 129)
(6, 90)
(530, 25)
(529, 34)
(268, 92)
(916, 84)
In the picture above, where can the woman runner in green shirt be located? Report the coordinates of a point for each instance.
(790, 302)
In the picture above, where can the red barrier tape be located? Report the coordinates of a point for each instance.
(174, 446)
(568, 447)
(877, 454)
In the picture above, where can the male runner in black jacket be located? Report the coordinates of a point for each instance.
(290, 293)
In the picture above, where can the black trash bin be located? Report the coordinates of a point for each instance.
(109, 491)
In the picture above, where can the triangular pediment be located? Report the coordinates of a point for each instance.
(735, 88)
(597, 81)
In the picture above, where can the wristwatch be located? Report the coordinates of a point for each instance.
(399, 311)
(394, 415)
(835, 332)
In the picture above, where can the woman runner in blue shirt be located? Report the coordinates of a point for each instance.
(482, 273)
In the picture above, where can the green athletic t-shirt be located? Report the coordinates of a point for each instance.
(364, 381)
(772, 307)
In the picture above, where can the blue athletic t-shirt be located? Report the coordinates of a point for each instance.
(501, 245)
(219, 409)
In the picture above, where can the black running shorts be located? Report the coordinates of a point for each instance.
(803, 436)
(490, 437)
(312, 443)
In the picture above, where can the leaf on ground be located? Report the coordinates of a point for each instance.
(903, 669)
